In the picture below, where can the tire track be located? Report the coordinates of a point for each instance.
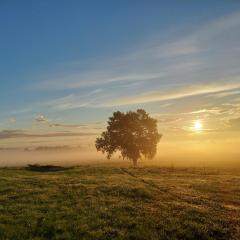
(151, 184)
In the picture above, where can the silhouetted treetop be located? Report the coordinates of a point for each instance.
(133, 134)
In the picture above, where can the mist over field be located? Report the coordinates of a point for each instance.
(22, 158)
(169, 157)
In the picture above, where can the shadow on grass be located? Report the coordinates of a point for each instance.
(45, 168)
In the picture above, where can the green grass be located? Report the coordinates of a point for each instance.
(103, 202)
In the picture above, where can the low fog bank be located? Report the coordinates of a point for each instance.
(11, 158)
(63, 158)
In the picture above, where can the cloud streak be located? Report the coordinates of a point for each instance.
(5, 134)
(66, 125)
(174, 94)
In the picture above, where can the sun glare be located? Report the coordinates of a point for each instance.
(198, 125)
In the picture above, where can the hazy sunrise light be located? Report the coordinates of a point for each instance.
(65, 74)
(120, 120)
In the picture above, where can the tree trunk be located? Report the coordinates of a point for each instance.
(134, 163)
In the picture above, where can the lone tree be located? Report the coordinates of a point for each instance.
(133, 134)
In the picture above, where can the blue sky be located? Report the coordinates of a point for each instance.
(74, 62)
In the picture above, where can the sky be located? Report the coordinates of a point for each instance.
(65, 66)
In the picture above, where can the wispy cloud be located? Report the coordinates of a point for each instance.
(174, 94)
(89, 126)
(66, 125)
(179, 48)
(226, 93)
(5, 134)
(93, 78)
(41, 119)
(168, 119)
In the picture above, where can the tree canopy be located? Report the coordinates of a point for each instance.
(133, 134)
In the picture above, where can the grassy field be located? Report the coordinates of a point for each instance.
(116, 202)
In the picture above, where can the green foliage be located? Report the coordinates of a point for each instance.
(133, 134)
(142, 204)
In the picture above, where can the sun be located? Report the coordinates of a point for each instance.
(197, 125)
